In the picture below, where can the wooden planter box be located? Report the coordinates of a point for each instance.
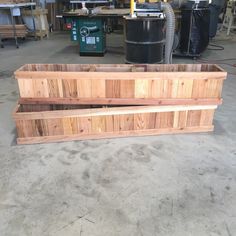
(48, 123)
(191, 84)
(76, 102)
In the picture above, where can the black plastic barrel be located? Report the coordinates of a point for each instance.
(144, 40)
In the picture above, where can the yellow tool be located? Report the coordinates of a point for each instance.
(132, 8)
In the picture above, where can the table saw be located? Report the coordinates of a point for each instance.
(89, 28)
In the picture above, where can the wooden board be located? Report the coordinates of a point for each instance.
(13, 1)
(100, 11)
(47, 123)
(119, 84)
(41, 22)
(6, 31)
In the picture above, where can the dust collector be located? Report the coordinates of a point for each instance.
(194, 33)
(149, 33)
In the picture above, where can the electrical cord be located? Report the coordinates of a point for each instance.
(216, 62)
(225, 59)
(220, 61)
(215, 47)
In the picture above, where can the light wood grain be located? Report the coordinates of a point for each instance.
(108, 82)
(120, 134)
(107, 111)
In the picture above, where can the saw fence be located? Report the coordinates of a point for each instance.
(76, 102)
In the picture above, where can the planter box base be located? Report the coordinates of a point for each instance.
(53, 123)
(121, 134)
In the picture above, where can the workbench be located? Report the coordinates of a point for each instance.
(11, 8)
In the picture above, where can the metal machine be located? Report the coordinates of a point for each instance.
(145, 37)
(89, 33)
(194, 32)
(88, 28)
(193, 27)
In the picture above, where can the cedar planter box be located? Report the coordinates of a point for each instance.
(76, 102)
(191, 84)
(50, 123)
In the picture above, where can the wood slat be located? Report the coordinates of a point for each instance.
(98, 124)
(107, 111)
(84, 125)
(127, 88)
(126, 122)
(84, 88)
(120, 75)
(113, 89)
(69, 88)
(40, 88)
(98, 88)
(120, 134)
(122, 101)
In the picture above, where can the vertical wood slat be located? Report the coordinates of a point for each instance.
(141, 121)
(167, 119)
(26, 87)
(126, 122)
(69, 88)
(40, 88)
(113, 88)
(207, 88)
(158, 121)
(116, 123)
(84, 125)
(214, 88)
(127, 88)
(141, 89)
(55, 127)
(176, 119)
(206, 117)
(161, 88)
(193, 118)
(183, 119)
(98, 88)
(84, 88)
(198, 90)
(70, 126)
(40, 128)
(185, 88)
(98, 124)
(109, 123)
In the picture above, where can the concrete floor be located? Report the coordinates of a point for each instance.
(163, 185)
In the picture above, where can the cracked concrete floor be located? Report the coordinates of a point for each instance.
(162, 185)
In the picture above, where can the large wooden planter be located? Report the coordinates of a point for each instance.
(75, 102)
(121, 84)
(48, 123)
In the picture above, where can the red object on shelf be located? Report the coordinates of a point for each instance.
(68, 25)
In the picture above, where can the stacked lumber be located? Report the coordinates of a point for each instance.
(6, 31)
(102, 11)
(41, 22)
(75, 102)
(13, 1)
